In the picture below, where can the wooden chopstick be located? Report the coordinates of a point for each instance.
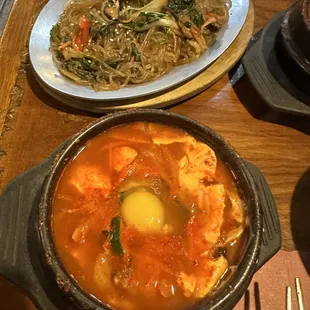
(299, 294)
(288, 298)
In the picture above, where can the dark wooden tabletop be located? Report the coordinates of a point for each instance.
(31, 127)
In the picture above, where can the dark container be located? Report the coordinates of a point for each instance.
(30, 259)
(295, 30)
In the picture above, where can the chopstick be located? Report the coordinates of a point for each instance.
(298, 293)
(288, 298)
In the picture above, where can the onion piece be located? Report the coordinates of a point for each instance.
(79, 234)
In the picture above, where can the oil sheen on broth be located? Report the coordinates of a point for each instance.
(147, 217)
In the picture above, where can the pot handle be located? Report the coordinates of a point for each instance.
(18, 235)
(20, 260)
(271, 237)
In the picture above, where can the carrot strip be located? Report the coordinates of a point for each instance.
(83, 36)
(77, 43)
(84, 26)
(208, 22)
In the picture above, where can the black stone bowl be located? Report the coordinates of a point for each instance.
(30, 259)
(295, 31)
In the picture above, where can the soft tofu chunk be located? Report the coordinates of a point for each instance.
(213, 206)
(198, 164)
(122, 157)
(87, 178)
(204, 229)
(188, 181)
(214, 198)
(165, 136)
(202, 161)
(209, 275)
(165, 139)
(187, 283)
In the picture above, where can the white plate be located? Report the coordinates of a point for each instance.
(43, 64)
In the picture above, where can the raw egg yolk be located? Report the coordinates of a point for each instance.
(143, 210)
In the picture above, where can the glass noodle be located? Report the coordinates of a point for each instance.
(108, 44)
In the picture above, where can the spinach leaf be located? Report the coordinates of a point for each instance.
(55, 34)
(178, 6)
(104, 30)
(135, 52)
(135, 25)
(75, 66)
(196, 17)
(112, 64)
(151, 16)
(88, 64)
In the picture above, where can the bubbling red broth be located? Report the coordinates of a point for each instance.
(148, 217)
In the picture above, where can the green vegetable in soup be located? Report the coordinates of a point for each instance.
(115, 238)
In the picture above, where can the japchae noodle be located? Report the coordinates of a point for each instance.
(108, 44)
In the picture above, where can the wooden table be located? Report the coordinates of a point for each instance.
(31, 127)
